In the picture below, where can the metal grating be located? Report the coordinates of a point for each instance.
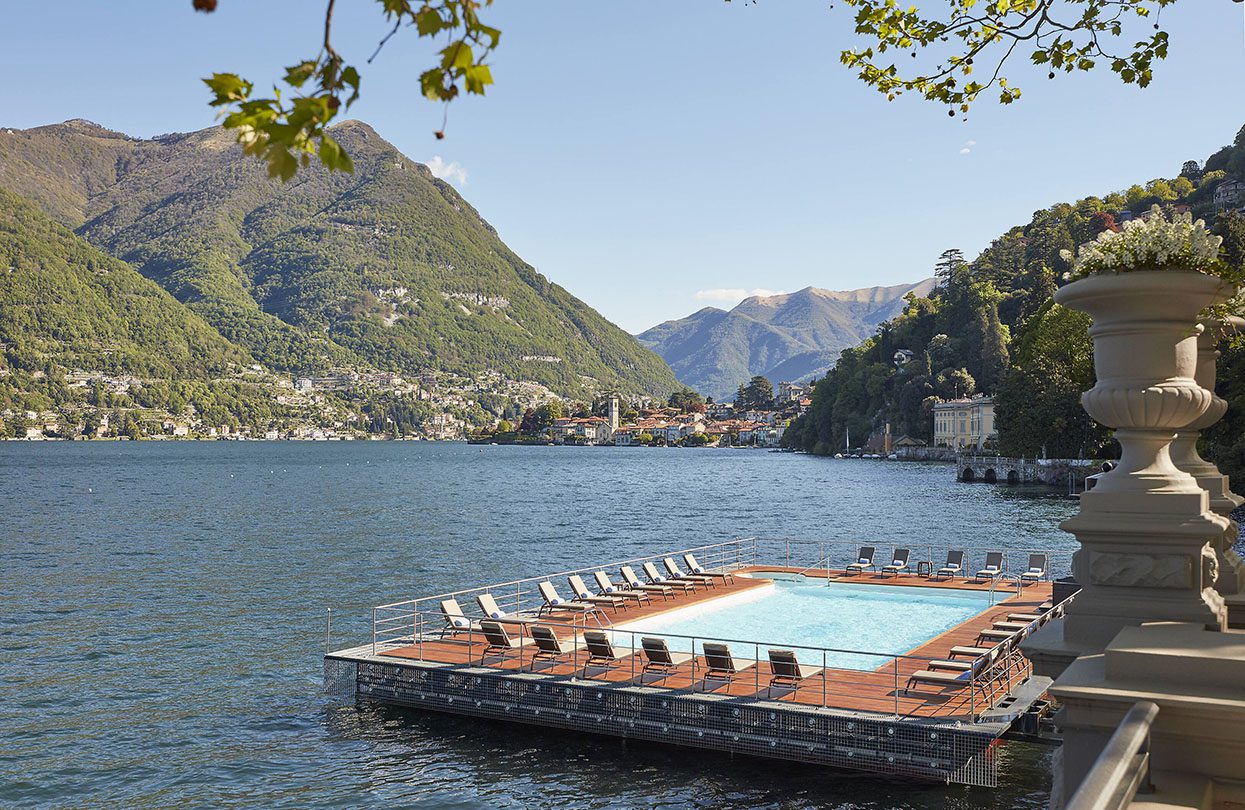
(917, 749)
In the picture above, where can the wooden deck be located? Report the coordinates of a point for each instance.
(844, 689)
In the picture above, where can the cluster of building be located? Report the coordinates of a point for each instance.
(719, 424)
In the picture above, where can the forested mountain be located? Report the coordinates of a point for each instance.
(386, 268)
(991, 327)
(793, 336)
(66, 305)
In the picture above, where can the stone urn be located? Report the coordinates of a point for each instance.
(1223, 500)
(1146, 531)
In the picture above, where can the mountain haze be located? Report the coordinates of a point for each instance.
(792, 336)
(388, 267)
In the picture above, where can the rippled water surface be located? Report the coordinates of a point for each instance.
(163, 614)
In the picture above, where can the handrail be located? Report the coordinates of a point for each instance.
(543, 577)
(1122, 770)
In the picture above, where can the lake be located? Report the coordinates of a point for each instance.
(165, 605)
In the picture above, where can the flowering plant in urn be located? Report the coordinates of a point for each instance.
(1145, 287)
(1151, 243)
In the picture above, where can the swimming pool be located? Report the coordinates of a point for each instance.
(889, 619)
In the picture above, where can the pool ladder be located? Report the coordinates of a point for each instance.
(822, 564)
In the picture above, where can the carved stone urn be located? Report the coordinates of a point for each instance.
(1147, 533)
(1223, 500)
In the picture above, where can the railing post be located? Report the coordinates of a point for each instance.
(825, 680)
(972, 694)
(896, 687)
(373, 631)
(328, 634)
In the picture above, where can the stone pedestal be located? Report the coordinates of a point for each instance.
(1146, 531)
(1196, 677)
(1231, 579)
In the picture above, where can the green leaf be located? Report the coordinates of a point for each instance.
(297, 75)
(476, 77)
(428, 22)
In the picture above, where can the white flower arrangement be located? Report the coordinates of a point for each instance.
(1155, 243)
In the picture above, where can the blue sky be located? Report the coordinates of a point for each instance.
(645, 153)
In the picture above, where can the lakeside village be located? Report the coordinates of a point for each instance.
(488, 409)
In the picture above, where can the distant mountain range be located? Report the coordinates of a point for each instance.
(788, 337)
(387, 268)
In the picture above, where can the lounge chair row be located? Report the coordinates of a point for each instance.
(588, 603)
(719, 664)
(954, 567)
(989, 657)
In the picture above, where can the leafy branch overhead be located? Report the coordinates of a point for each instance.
(289, 127)
(1063, 35)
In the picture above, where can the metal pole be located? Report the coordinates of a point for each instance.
(896, 687)
(328, 634)
(825, 679)
(373, 631)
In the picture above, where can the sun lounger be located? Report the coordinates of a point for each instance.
(1013, 626)
(863, 562)
(634, 583)
(599, 648)
(995, 635)
(608, 588)
(548, 645)
(696, 568)
(899, 563)
(970, 651)
(953, 568)
(949, 664)
(975, 674)
(993, 568)
(584, 595)
(496, 638)
(786, 670)
(655, 578)
(488, 605)
(676, 573)
(1037, 569)
(659, 657)
(1024, 617)
(455, 619)
(720, 665)
(555, 602)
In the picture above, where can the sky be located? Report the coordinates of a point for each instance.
(656, 157)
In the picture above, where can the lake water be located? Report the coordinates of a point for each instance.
(164, 614)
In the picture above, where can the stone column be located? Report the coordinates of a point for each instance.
(1231, 580)
(1195, 676)
(1146, 531)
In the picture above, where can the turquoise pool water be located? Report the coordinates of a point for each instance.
(807, 612)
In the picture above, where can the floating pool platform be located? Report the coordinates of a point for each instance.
(851, 710)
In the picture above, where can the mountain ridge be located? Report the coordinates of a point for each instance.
(793, 336)
(388, 268)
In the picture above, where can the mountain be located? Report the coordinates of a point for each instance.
(387, 268)
(793, 336)
(63, 298)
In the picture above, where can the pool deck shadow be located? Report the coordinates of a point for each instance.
(874, 691)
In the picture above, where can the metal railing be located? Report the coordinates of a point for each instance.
(1122, 770)
(392, 623)
(982, 687)
(829, 552)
